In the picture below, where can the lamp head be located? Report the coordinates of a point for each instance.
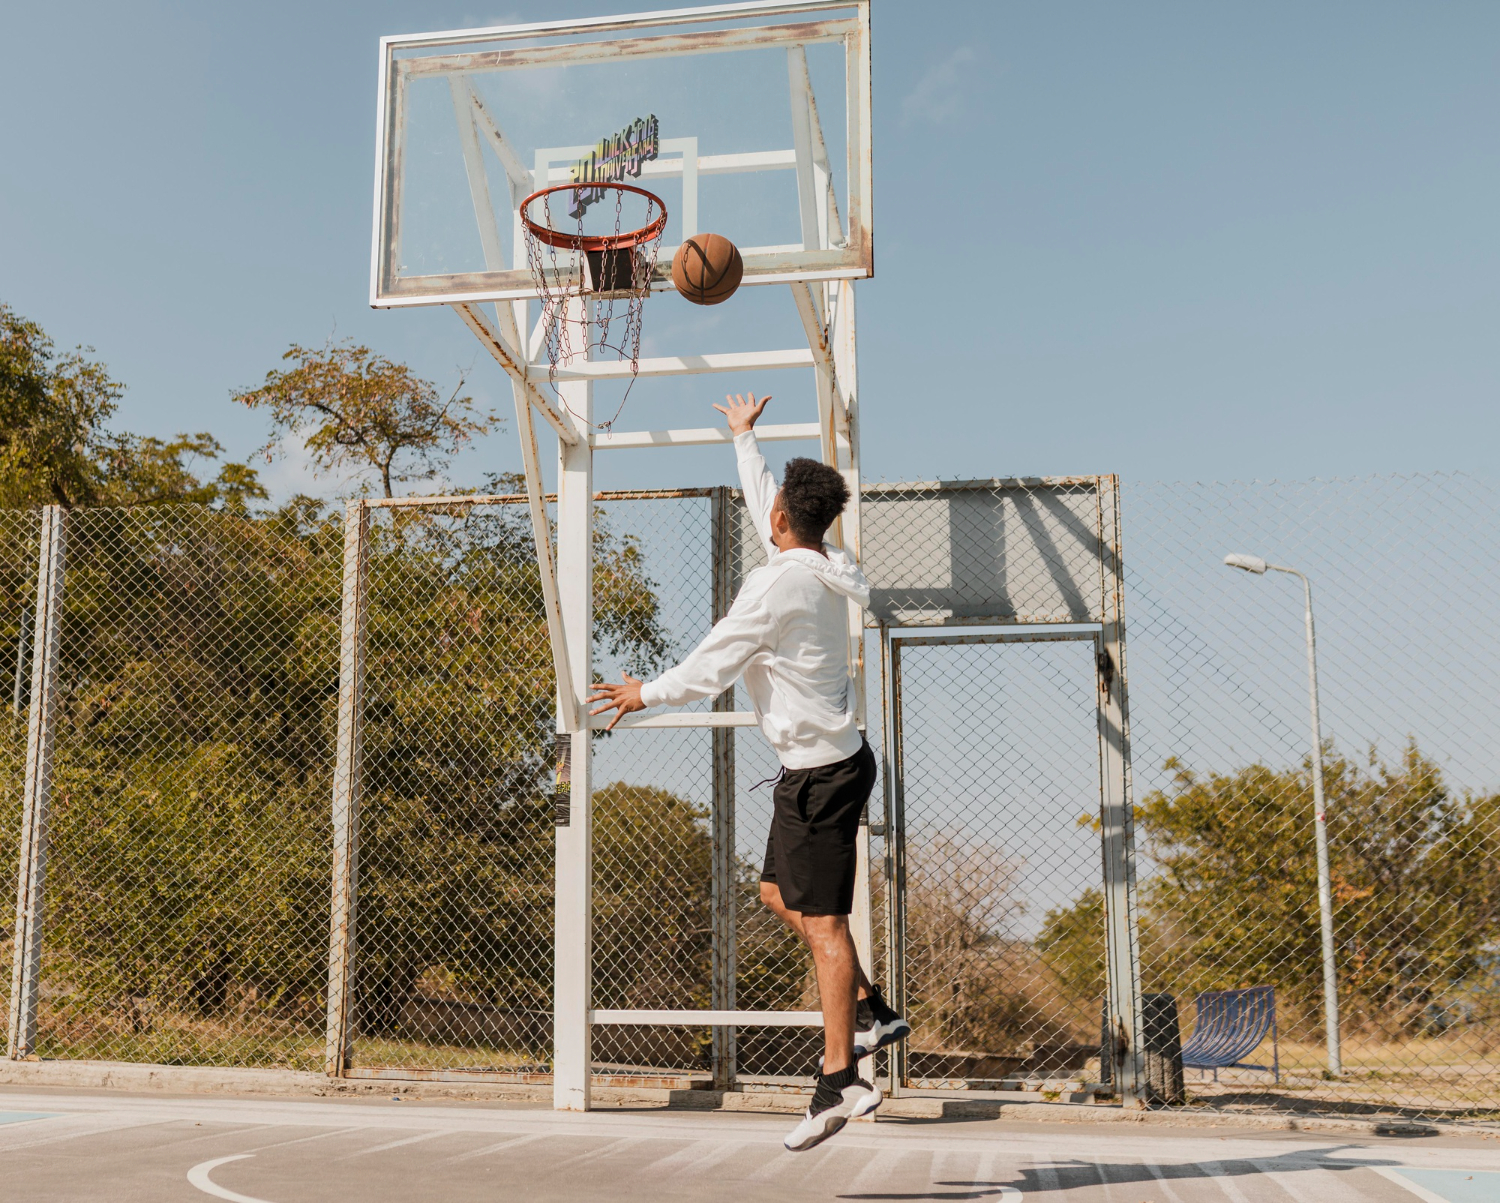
(1249, 563)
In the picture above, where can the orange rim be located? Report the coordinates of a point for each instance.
(594, 242)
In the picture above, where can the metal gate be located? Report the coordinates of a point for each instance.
(997, 927)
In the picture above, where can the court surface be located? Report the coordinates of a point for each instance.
(60, 1145)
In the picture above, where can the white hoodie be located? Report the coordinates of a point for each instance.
(787, 633)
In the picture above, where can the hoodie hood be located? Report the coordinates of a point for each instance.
(838, 571)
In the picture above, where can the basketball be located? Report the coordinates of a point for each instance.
(707, 268)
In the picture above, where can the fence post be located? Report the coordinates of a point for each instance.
(1122, 949)
(725, 962)
(26, 970)
(893, 776)
(346, 783)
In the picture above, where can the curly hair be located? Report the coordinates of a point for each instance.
(812, 495)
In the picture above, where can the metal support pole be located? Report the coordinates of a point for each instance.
(338, 1048)
(723, 903)
(895, 845)
(1117, 820)
(26, 969)
(838, 411)
(1320, 827)
(572, 965)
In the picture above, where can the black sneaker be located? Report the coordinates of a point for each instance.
(839, 1098)
(876, 1025)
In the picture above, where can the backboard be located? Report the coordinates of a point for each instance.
(748, 120)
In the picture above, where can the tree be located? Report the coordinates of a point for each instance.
(143, 470)
(52, 414)
(356, 409)
(55, 447)
(1415, 871)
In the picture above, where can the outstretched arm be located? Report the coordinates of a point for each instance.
(709, 669)
(755, 478)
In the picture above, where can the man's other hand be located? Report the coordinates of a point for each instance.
(626, 697)
(741, 413)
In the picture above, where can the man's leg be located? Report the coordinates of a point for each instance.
(770, 894)
(837, 966)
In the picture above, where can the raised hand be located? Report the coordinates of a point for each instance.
(742, 414)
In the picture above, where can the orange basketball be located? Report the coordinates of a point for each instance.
(707, 269)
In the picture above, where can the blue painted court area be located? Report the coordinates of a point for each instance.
(20, 1117)
(1457, 1186)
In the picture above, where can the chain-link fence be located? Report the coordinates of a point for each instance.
(1000, 761)
(184, 876)
(187, 874)
(1402, 571)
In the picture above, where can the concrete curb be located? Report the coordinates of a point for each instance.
(290, 1083)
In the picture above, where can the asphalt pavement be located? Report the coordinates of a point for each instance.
(76, 1145)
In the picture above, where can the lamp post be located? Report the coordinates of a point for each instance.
(1320, 820)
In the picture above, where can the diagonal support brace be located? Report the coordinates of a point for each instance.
(515, 367)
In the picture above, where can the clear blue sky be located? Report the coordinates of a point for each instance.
(1172, 240)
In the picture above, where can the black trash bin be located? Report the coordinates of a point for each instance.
(1163, 1047)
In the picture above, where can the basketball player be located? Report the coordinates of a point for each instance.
(787, 633)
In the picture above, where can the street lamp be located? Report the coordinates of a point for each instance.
(1320, 819)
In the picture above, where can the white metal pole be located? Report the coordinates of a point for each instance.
(339, 1034)
(573, 930)
(26, 970)
(1320, 827)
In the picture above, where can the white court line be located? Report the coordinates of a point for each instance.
(694, 1159)
(1325, 1186)
(1406, 1183)
(393, 1144)
(198, 1176)
(1163, 1182)
(495, 1148)
(1224, 1181)
(877, 1171)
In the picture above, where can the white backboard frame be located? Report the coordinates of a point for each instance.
(820, 257)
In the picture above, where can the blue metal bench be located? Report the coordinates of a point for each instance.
(1231, 1024)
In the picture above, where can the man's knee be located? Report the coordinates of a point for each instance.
(770, 894)
(827, 929)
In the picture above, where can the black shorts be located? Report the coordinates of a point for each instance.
(810, 853)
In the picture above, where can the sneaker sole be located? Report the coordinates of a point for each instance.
(890, 1038)
(835, 1126)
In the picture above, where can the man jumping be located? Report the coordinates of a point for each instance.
(787, 634)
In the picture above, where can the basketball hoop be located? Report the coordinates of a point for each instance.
(580, 286)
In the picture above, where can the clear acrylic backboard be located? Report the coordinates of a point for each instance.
(748, 120)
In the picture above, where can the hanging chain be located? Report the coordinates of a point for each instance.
(557, 284)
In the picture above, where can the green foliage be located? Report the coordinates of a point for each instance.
(356, 409)
(1071, 943)
(1415, 872)
(55, 448)
(141, 470)
(52, 413)
(652, 869)
(188, 884)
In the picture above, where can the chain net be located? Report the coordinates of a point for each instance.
(579, 288)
